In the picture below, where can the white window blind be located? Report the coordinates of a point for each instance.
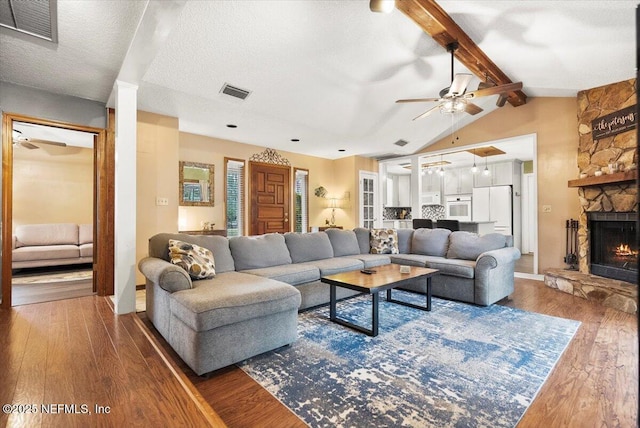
(302, 201)
(235, 198)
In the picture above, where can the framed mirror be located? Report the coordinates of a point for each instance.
(196, 184)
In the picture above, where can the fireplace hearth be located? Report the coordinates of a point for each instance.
(613, 245)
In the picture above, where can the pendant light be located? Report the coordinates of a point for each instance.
(486, 168)
(441, 171)
(474, 168)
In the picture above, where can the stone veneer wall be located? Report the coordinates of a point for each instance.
(596, 155)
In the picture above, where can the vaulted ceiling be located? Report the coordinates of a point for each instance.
(324, 72)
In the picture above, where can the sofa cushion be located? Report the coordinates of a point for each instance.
(305, 247)
(255, 252)
(453, 267)
(85, 234)
(404, 240)
(364, 239)
(46, 234)
(196, 260)
(45, 252)
(372, 260)
(344, 242)
(336, 265)
(218, 245)
(384, 241)
(469, 245)
(230, 298)
(410, 259)
(430, 242)
(293, 274)
(86, 250)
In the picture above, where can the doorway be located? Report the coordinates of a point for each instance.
(270, 198)
(369, 204)
(52, 214)
(102, 184)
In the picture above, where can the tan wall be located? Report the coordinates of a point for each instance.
(157, 176)
(555, 122)
(56, 188)
(336, 176)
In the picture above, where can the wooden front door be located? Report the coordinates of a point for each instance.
(270, 196)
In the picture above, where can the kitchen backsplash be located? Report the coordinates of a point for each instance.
(394, 213)
(433, 212)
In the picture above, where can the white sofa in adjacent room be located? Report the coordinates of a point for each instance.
(55, 244)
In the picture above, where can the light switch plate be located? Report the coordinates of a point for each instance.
(546, 208)
(162, 201)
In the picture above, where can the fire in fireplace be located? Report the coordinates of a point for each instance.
(613, 245)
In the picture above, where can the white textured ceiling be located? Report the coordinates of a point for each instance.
(325, 72)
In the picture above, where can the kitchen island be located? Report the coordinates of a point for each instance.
(479, 227)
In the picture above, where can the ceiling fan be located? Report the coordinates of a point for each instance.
(455, 99)
(20, 140)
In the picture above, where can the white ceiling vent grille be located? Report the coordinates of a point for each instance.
(234, 91)
(401, 143)
(36, 18)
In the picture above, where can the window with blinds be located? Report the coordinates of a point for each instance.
(235, 197)
(302, 200)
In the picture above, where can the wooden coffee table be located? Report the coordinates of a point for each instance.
(385, 278)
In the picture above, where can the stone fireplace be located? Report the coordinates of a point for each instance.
(608, 199)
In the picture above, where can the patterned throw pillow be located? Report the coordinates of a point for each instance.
(196, 260)
(384, 241)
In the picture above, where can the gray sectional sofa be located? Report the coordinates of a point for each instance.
(261, 282)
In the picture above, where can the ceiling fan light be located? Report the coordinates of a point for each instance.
(382, 6)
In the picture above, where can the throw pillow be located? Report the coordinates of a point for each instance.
(196, 260)
(384, 241)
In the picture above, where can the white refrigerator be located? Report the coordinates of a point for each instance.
(494, 204)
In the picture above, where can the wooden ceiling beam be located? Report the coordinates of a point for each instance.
(443, 29)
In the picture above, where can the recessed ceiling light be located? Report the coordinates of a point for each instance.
(295, 140)
(341, 150)
(231, 125)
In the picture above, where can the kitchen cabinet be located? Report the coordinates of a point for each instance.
(431, 183)
(398, 191)
(500, 174)
(404, 191)
(458, 181)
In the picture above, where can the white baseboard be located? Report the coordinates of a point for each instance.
(533, 276)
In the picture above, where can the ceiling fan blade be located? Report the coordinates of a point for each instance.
(426, 113)
(459, 84)
(419, 100)
(472, 109)
(52, 143)
(28, 145)
(509, 87)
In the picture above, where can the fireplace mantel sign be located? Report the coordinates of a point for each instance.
(614, 123)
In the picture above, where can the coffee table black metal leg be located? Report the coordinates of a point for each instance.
(332, 302)
(427, 306)
(375, 299)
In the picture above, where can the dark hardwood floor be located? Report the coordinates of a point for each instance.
(78, 352)
(594, 384)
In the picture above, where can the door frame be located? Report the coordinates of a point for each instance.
(103, 233)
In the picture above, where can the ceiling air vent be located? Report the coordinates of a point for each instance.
(35, 18)
(234, 91)
(401, 143)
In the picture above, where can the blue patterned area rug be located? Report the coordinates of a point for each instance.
(456, 366)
